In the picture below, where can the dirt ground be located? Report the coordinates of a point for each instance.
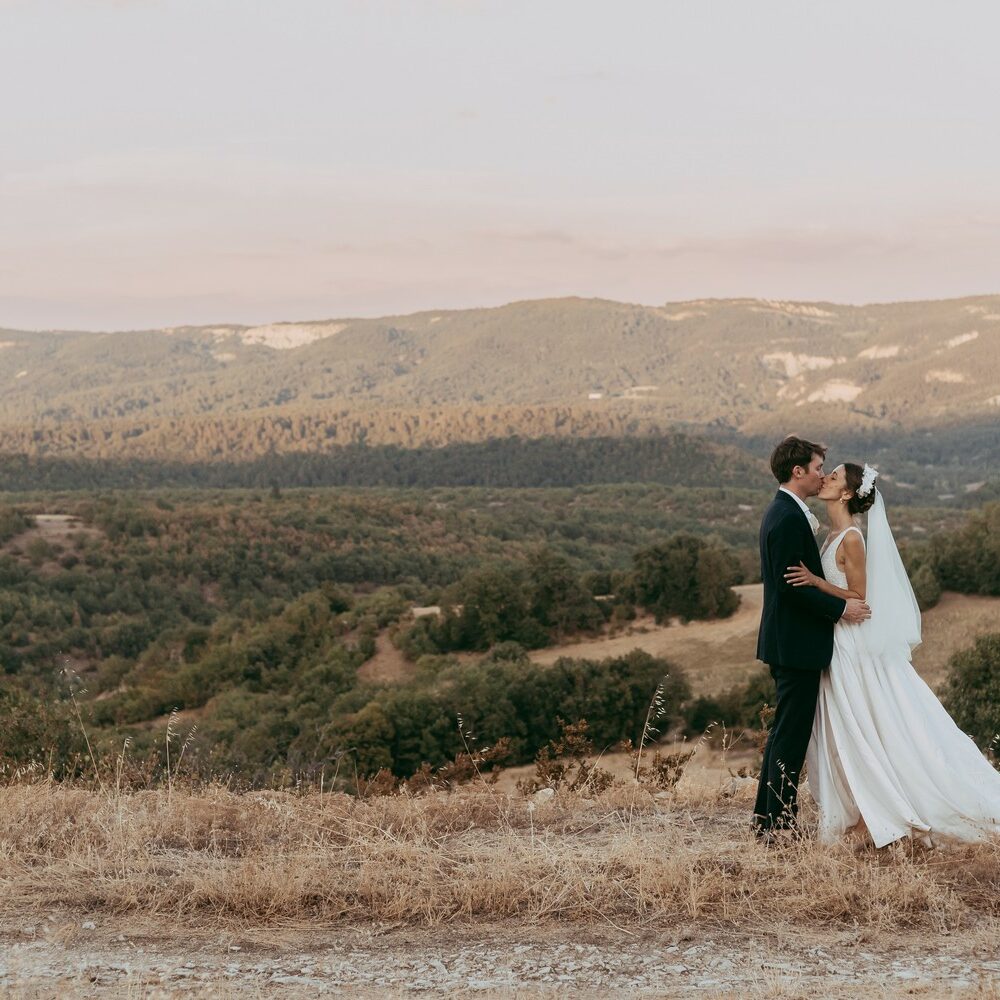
(715, 654)
(65, 955)
(950, 626)
(387, 666)
(58, 531)
(719, 654)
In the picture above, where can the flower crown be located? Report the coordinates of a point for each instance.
(868, 478)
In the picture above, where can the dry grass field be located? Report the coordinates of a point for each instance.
(478, 891)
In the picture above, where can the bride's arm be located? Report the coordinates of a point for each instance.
(854, 567)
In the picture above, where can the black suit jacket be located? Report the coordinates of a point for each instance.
(796, 625)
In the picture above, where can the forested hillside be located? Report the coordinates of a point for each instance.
(566, 367)
(237, 523)
(254, 613)
(952, 467)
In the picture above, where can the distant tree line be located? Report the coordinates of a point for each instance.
(681, 459)
(136, 431)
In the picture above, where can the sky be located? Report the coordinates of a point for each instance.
(168, 162)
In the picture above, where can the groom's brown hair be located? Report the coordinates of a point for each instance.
(791, 452)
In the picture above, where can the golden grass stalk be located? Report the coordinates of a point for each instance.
(622, 857)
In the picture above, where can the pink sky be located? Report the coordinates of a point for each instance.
(199, 162)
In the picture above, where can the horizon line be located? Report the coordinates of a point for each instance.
(503, 305)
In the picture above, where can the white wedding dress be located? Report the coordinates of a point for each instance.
(883, 748)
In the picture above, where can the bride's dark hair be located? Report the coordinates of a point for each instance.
(854, 475)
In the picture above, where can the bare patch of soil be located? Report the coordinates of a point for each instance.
(718, 654)
(387, 666)
(715, 654)
(51, 537)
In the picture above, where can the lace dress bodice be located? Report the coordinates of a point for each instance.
(831, 570)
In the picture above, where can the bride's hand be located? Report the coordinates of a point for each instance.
(799, 576)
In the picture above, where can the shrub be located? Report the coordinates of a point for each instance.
(565, 762)
(972, 691)
(13, 522)
(38, 550)
(968, 560)
(926, 587)
(740, 706)
(40, 733)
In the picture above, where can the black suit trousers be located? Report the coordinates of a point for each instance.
(785, 752)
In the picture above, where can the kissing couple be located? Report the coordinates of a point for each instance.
(837, 630)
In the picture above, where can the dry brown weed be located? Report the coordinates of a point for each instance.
(624, 857)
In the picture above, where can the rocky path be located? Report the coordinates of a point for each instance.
(68, 957)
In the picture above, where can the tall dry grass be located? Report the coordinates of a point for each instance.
(628, 856)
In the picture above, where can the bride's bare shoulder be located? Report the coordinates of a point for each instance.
(852, 544)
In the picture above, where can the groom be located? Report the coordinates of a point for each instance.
(796, 629)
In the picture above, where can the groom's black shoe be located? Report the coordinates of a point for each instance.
(778, 837)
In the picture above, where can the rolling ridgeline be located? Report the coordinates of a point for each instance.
(915, 384)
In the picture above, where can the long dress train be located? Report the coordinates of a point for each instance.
(884, 749)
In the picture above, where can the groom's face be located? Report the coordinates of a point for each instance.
(812, 478)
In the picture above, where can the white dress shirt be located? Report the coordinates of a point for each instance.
(810, 516)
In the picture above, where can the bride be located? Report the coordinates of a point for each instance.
(884, 754)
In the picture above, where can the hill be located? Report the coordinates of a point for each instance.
(259, 614)
(565, 367)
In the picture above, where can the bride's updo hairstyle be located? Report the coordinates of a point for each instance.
(854, 476)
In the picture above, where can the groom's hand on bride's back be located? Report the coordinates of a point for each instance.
(855, 612)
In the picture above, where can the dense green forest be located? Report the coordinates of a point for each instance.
(922, 468)
(252, 612)
(677, 459)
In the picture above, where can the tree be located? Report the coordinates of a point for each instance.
(492, 606)
(926, 587)
(559, 599)
(686, 576)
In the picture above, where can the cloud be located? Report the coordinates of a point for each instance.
(788, 246)
(560, 236)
